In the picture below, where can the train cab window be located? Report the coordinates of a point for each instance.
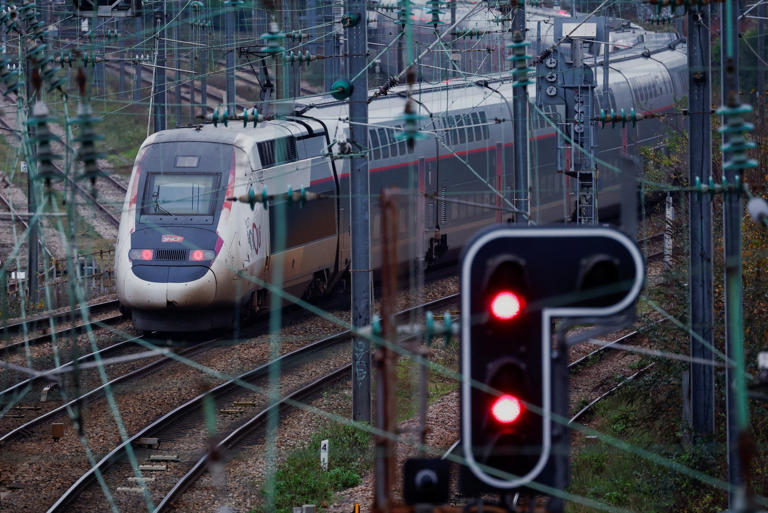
(178, 194)
(375, 145)
(277, 151)
(384, 143)
(477, 128)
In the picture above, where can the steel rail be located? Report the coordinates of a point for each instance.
(194, 404)
(46, 337)
(79, 188)
(142, 371)
(29, 381)
(57, 315)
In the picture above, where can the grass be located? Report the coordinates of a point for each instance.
(300, 480)
(623, 479)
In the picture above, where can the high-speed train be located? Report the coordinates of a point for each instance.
(188, 256)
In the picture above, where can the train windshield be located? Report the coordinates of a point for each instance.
(179, 194)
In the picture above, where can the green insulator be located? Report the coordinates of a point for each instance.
(197, 5)
(273, 39)
(251, 197)
(350, 19)
(411, 126)
(88, 137)
(43, 137)
(429, 327)
(341, 89)
(519, 60)
(234, 3)
(735, 149)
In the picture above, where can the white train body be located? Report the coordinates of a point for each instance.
(188, 258)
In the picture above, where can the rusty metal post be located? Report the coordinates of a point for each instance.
(386, 359)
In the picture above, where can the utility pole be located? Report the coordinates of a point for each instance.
(159, 73)
(139, 20)
(761, 13)
(735, 402)
(34, 227)
(229, 27)
(360, 225)
(177, 62)
(700, 221)
(520, 102)
(331, 62)
(121, 81)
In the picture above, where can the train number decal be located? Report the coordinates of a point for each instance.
(254, 238)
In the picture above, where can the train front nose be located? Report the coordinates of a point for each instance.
(159, 287)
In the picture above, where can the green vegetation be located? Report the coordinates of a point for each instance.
(300, 480)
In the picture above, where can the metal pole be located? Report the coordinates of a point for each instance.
(229, 27)
(520, 110)
(761, 13)
(159, 72)
(700, 222)
(732, 249)
(204, 80)
(34, 227)
(177, 64)
(137, 70)
(121, 81)
(360, 226)
(330, 63)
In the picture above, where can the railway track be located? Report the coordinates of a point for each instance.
(41, 321)
(580, 363)
(177, 431)
(163, 358)
(111, 217)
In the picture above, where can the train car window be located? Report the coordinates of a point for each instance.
(462, 131)
(486, 128)
(401, 144)
(375, 145)
(384, 143)
(312, 221)
(393, 146)
(478, 129)
(470, 129)
(277, 151)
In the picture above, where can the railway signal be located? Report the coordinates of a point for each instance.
(514, 281)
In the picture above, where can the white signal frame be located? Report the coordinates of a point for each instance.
(546, 319)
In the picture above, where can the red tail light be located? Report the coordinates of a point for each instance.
(196, 255)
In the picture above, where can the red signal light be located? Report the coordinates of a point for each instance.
(506, 305)
(146, 254)
(506, 409)
(197, 255)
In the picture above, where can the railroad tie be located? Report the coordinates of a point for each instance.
(135, 479)
(164, 457)
(232, 411)
(244, 403)
(129, 489)
(152, 443)
(154, 468)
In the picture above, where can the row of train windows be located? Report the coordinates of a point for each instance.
(384, 143)
(647, 91)
(464, 128)
(459, 129)
(277, 151)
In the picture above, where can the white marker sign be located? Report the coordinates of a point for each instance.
(324, 455)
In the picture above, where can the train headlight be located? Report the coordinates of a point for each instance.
(141, 254)
(198, 255)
